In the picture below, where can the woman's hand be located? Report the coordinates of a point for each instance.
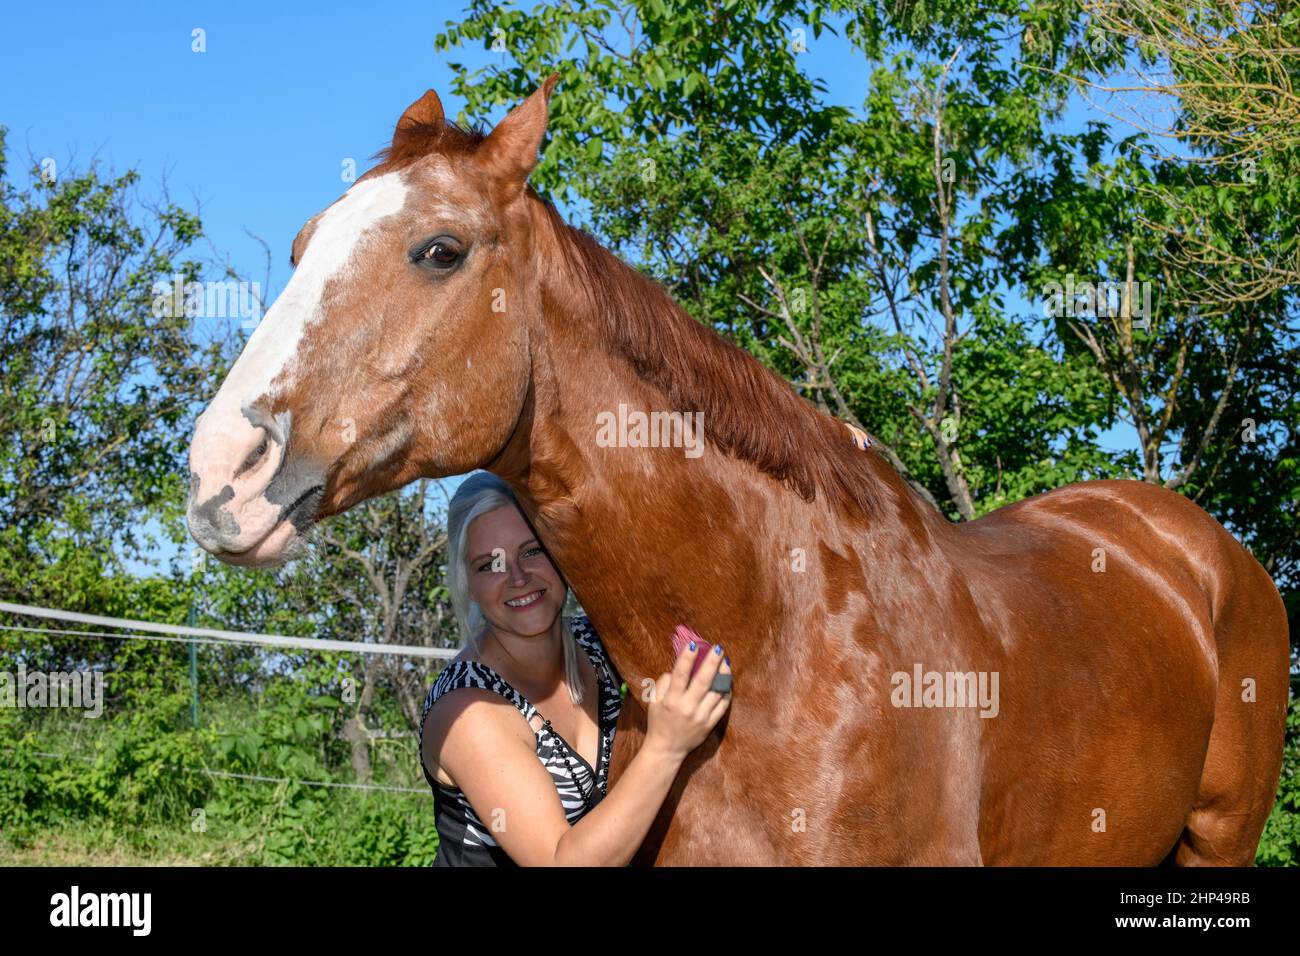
(683, 709)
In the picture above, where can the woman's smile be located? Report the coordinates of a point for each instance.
(527, 600)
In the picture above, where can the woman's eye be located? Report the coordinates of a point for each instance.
(532, 551)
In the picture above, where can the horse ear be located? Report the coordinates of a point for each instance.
(426, 111)
(510, 151)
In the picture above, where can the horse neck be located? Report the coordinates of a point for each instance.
(650, 537)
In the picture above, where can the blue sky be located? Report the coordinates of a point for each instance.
(255, 129)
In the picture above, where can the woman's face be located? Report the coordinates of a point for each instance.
(510, 576)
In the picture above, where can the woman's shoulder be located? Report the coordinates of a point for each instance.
(464, 672)
(472, 682)
(461, 671)
(470, 708)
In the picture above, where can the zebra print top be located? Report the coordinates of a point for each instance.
(464, 839)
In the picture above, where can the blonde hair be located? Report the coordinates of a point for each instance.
(478, 494)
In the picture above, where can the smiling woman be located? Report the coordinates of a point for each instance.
(531, 791)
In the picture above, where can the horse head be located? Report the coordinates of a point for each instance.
(398, 349)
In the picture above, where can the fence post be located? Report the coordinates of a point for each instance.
(194, 671)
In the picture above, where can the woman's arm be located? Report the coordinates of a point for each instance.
(611, 833)
(683, 712)
(487, 747)
(515, 797)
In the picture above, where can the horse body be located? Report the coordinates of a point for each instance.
(1140, 654)
(1100, 606)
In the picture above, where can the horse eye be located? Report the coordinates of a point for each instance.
(440, 253)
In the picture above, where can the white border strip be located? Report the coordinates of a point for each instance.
(235, 637)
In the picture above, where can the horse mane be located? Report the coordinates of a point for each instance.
(749, 411)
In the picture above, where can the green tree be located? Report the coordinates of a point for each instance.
(96, 388)
(856, 252)
(893, 261)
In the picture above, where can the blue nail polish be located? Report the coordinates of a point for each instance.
(692, 645)
(717, 648)
(727, 661)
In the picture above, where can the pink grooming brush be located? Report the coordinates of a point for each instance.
(682, 637)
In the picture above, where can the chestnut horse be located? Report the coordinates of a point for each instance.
(1097, 675)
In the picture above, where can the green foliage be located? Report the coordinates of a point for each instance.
(806, 231)
(95, 389)
(240, 788)
(814, 236)
(1280, 843)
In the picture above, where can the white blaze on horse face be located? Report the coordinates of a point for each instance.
(224, 436)
(275, 342)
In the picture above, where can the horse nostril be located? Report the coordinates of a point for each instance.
(257, 455)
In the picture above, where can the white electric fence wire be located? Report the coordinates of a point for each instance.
(218, 636)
